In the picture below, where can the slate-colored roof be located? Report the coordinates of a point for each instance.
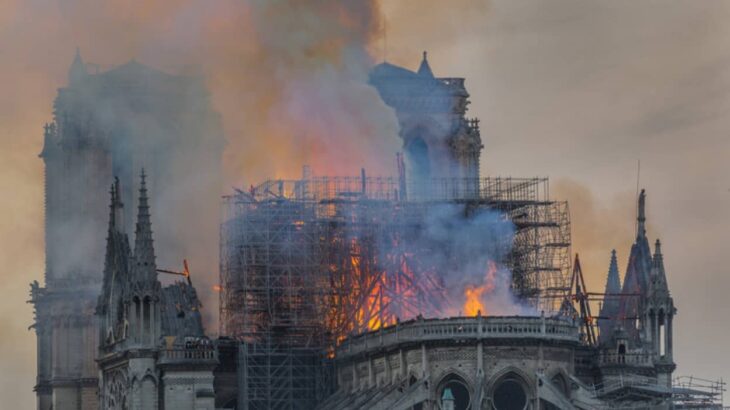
(180, 310)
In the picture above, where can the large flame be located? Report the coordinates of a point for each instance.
(474, 294)
(371, 292)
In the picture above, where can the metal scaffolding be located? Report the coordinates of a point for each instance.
(306, 263)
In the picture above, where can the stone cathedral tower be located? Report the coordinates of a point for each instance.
(109, 124)
(153, 352)
(438, 140)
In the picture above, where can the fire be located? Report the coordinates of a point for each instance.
(473, 305)
(375, 290)
(217, 288)
(474, 294)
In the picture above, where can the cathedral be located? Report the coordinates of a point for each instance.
(113, 333)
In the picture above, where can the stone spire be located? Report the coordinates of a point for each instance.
(144, 252)
(77, 73)
(116, 239)
(658, 274)
(113, 207)
(425, 69)
(117, 254)
(611, 303)
(117, 216)
(613, 282)
(641, 219)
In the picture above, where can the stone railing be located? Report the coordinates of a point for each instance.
(462, 328)
(182, 355)
(631, 359)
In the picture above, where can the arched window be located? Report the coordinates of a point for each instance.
(146, 318)
(662, 337)
(418, 157)
(510, 393)
(459, 390)
(137, 318)
(148, 393)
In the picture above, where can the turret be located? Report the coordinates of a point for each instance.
(145, 289)
(144, 252)
(439, 142)
(610, 308)
(658, 275)
(637, 279)
(641, 219)
(111, 303)
(661, 312)
(77, 72)
(424, 69)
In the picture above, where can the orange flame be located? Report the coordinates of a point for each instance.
(375, 290)
(474, 294)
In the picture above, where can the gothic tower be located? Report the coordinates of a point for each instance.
(129, 312)
(153, 352)
(636, 329)
(110, 123)
(659, 314)
(637, 278)
(76, 164)
(610, 308)
(438, 140)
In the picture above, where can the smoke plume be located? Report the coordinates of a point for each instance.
(469, 252)
(597, 227)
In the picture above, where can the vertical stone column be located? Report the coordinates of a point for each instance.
(649, 320)
(424, 360)
(371, 372)
(657, 335)
(151, 329)
(667, 336)
(480, 357)
(402, 364)
(355, 381)
(134, 321)
(669, 331)
(388, 370)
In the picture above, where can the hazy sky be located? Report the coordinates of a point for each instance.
(574, 90)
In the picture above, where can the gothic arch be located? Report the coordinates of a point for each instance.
(461, 389)
(560, 379)
(148, 392)
(418, 153)
(116, 391)
(511, 389)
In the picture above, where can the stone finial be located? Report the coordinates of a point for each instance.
(77, 72)
(425, 69)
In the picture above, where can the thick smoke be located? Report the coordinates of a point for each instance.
(599, 226)
(288, 77)
(469, 252)
(290, 80)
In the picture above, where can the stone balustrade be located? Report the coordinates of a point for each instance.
(461, 328)
(174, 355)
(633, 359)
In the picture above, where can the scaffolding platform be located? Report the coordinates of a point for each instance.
(306, 263)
